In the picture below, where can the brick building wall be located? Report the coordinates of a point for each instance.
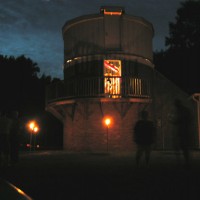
(85, 130)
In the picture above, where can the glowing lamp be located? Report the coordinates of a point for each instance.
(35, 129)
(32, 125)
(107, 121)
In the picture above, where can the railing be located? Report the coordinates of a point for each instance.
(108, 87)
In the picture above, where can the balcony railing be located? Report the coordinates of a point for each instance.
(118, 87)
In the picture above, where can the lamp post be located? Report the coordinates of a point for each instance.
(34, 129)
(107, 122)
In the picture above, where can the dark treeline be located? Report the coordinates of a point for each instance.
(23, 90)
(180, 61)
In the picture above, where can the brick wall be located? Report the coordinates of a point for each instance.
(86, 130)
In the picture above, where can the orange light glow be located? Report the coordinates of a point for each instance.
(35, 129)
(107, 121)
(112, 10)
(33, 126)
(20, 191)
(112, 13)
(111, 66)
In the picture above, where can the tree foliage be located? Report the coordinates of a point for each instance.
(20, 86)
(180, 61)
(184, 33)
(21, 89)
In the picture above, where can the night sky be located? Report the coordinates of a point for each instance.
(34, 27)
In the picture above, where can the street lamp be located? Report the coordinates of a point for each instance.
(107, 122)
(34, 129)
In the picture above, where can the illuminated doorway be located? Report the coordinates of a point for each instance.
(112, 78)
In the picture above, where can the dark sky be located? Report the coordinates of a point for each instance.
(33, 27)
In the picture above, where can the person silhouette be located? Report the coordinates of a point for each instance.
(5, 124)
(14, 137)
(182, 121)
(144, 137)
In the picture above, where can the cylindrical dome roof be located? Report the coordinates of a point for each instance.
(108, 32)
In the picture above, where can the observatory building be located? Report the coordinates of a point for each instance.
(109, 78)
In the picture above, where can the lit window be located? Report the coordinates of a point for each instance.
(112, 78)
(112, 10)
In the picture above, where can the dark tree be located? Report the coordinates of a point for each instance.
(180, 61)
(18, 77)
(184, 33)
(21, 89)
